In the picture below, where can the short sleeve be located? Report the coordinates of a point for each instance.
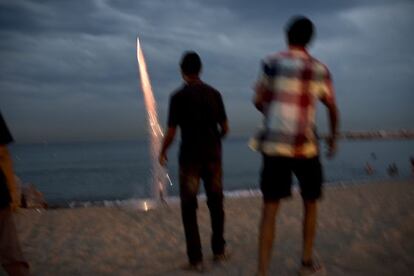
(173, 116)
(5, 135)
(266, 74)
(263, 88)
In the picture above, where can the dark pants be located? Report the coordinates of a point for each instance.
(190, 175)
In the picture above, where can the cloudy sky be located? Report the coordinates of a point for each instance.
(68, 69)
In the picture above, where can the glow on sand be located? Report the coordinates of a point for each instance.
(159, 173)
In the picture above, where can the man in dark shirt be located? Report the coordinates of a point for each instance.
(11, 256)
(198, 110)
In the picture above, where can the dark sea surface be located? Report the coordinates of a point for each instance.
(122, 170)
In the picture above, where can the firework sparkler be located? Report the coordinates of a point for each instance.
(159, 173)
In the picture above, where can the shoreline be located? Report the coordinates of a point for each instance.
(238, 193)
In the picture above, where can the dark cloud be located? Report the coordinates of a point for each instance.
(68, 68)
(56, 17)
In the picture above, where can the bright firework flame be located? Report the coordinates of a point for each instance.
(159, 173)
(150, 103)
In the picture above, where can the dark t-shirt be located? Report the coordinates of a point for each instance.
(197, 109)
(5, 138)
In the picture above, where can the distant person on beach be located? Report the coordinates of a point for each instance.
(286, 92)
(11, 255)
(392, 169)
(198, 110)
(368, 168)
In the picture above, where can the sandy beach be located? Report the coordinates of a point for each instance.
(364, 229)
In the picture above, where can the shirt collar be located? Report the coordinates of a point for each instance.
(299, 51)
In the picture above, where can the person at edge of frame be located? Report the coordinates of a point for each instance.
(11, 256)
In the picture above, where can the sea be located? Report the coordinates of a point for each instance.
(69, 174)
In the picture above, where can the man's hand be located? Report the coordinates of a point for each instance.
(331, 145)
(168, 139)
(163, 159)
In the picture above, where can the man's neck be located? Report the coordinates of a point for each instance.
(192, 79)
(297, 48)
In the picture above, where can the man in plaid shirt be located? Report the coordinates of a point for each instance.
(288, 88)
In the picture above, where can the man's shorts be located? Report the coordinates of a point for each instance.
(276, 177)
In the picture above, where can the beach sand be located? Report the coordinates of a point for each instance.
(364, 229)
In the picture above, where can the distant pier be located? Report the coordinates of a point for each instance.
(402, 134)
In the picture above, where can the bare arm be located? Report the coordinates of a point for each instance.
(258, 104)
(258, 100)
(168, 139)
(333, 124)
(262, 97)
(224, 126)
(6, 166)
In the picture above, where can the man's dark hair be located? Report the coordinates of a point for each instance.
(299, 31)
(190, 63)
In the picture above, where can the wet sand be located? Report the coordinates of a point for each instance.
(365, 229)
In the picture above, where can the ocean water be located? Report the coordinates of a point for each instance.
(121, 170)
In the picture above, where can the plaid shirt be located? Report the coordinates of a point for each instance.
(289, 85)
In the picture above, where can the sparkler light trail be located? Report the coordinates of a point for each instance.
(159, 173)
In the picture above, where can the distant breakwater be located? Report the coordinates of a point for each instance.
(373, 135)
